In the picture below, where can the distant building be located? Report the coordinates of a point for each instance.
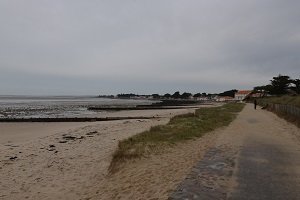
(201, 98)
(224, 99)
(257, 95)
(242, 95)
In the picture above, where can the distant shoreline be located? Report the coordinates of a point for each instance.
(70, 119)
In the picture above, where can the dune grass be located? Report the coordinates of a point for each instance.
(284, 100)
(180, 128)
(287, 100)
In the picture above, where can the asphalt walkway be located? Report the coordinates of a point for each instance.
(265, 164)
(269, 160)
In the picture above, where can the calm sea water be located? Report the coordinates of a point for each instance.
(57, 106)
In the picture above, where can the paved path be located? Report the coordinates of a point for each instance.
(269, 160)
(266, 158)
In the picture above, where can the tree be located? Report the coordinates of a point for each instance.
(176, 95)
(229, 93)
(186, 95)
(197, 95)
(264, 89)
(259, 88)
(296, 87)
(155, 96)
(126, 95)
(167, 96)
(280, 84)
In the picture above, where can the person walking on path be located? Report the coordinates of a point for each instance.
(255, 104)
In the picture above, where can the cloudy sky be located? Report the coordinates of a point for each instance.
(145, 46)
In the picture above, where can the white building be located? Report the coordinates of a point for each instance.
(242, 94)
(224, 99)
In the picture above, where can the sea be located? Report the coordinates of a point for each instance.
(58, 106)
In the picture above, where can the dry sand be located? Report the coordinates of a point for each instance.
(16, 133)
(158, 176)
(155, 177)
(44, 164)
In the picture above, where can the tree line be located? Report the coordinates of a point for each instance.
(175, 95)
(280, 85)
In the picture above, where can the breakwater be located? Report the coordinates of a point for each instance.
(137, 108)
(70, 119)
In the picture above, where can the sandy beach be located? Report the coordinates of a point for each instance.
(149, 100)
(70, 160)
(22, 132)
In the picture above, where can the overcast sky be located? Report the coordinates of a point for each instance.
(146, 46)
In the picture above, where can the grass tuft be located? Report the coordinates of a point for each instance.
(287, 100)
(180, 128)
(284, 100)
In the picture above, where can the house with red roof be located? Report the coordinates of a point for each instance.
(242, 95)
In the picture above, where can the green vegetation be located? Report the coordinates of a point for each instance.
(286, 100)
(280, 85)
(180, 128)
(230, 93)
(289, 114)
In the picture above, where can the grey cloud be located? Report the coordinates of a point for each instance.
(147, 46)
